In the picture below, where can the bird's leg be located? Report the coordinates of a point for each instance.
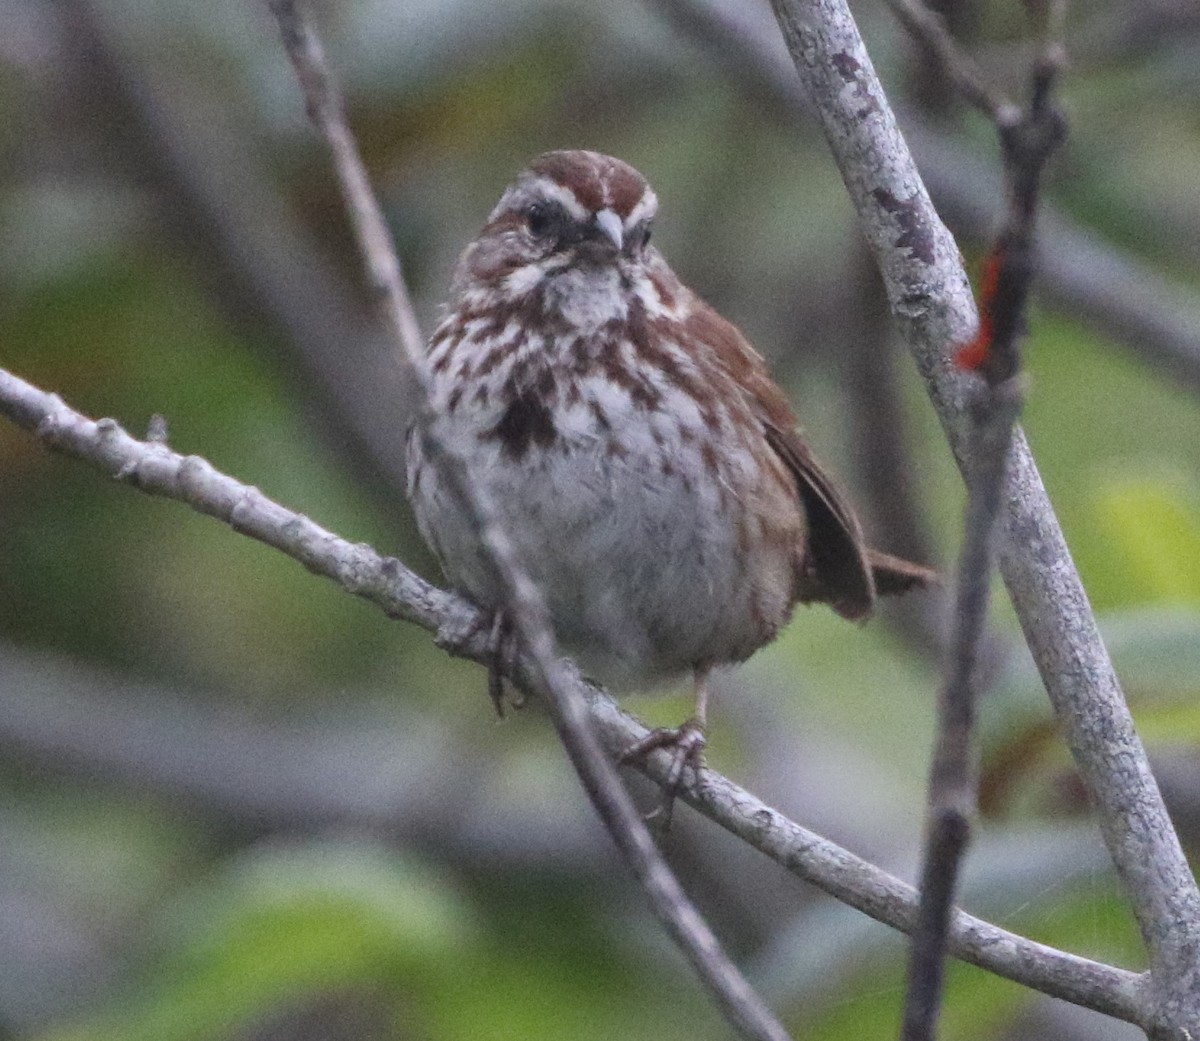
(502, 655)
(687, 741)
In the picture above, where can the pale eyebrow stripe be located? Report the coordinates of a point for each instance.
(555, 191)
(646, 207)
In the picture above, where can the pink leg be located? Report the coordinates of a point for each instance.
(686, 742)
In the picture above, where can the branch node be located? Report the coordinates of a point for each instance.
(156, 429)
(241, 510)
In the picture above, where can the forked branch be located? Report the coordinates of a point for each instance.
(1027, 139)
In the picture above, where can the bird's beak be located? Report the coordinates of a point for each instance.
(610, 224)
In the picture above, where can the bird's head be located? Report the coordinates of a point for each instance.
(574, 227)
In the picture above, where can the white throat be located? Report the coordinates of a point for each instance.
(587, 297)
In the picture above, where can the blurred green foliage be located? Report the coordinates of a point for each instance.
(184, 925)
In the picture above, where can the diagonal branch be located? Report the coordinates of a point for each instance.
(930, 297)
(524, 606)
(385, 582)
(930, 28)
(1027, 139)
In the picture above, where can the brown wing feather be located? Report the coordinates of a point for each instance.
(837, 570)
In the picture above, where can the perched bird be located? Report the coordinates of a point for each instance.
(642, 460)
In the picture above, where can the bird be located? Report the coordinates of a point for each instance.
(647, 468)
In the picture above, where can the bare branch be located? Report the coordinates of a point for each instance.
(327, 112)
(928, 290)
(1027, 140)
(930, 28)
(524, 605)
(952, 776)
(387, 583)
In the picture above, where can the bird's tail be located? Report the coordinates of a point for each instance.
(894, 575)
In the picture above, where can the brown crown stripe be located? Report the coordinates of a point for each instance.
(597, 181)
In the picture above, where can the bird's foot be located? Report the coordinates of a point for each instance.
(686, 743)
(500, 653)
(502, 657)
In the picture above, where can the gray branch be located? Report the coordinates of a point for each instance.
(384, 581)
(930, 297)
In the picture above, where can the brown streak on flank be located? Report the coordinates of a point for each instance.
(493, 358)
(642, 393)
(645, 396)
(581, 362)
(546, 386)
(481, 395)
(648, 337)
(526, 311)
(614, 449)
(574, 396)
(709, 455)
(454, 398)
(520, 375)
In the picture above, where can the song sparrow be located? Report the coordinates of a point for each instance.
(644, 463)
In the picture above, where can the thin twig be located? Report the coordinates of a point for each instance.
(931, 299)
(326, 109)
(929, 27)
(385, 582)
(1027, 141)
(952, 776)
(524, 605)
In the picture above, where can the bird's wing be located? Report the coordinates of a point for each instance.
(836, 566)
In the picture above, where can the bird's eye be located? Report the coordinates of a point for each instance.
(541, 218)
(645, 235)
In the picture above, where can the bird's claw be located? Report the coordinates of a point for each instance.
(502, 656)
(686, 743)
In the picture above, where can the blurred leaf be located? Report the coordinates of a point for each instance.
(1088, 916)
(1156, 653)
(1096, 417)
(282, 923)
(1155, 523)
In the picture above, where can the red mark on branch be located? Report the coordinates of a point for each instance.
(974, 356)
